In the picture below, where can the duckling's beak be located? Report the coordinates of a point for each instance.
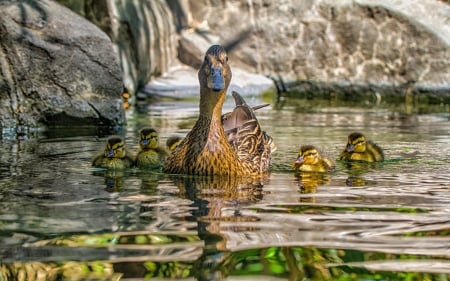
(300, 160)
(215, 79)
(111, 153)
(144, 142)
(350, 148)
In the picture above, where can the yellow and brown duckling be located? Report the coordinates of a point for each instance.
(309, 159)
(206, 150)
(358, 148)
(173, 142)
(114, 155)
(150, 154)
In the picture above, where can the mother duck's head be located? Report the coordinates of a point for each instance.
(215, 73)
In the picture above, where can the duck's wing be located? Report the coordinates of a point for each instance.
(240, 114)
(252, 145)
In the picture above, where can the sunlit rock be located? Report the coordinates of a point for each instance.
(56, 68)
(321, 46)
(349, 44)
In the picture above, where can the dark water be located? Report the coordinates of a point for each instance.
(61, 219)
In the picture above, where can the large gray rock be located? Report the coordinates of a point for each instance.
(368, 43)
(56, 68)
(317, 45)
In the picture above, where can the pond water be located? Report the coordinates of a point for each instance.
(62, 219)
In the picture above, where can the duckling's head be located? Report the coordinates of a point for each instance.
(214, 74)
(356, 143)
(148, 138)
(172, 142)
(115, 147)
(308, 155)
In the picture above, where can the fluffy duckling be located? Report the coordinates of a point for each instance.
(114, 156)
(150, 154)
(358, 148)
(173, 142)
(310, 160)
(206, 150)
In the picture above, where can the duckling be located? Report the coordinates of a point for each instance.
(173, 142)
(114, 156)
(206, 150)
(358, 148)
(310, 160)
(150, 154)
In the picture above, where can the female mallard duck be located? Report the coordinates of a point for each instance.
(206, 150)
(150, 155)
(114, 156)
(227, 119)
(310, 160)
(358, 148)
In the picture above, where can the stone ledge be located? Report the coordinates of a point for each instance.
(182, 82)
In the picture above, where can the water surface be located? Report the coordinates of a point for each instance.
(61, 218)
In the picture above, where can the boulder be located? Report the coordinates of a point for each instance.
(370, 44)
(343, 46)
(143, 33)
(57, 68)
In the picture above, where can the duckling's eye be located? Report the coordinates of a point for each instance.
(118, 146)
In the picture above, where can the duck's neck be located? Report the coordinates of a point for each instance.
(211, 107)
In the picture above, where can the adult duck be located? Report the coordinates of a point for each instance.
(360, 149)
(207, 150)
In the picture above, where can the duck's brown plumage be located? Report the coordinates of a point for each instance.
(358, 148)
(206, 150)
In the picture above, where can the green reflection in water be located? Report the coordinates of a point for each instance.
(288, 263)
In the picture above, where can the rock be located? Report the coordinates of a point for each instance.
(182, 82)
(375, 44)
(56, 68)
(333, 45)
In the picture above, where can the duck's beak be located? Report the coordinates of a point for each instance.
(215, 79)
(144, 142)
(350, 148)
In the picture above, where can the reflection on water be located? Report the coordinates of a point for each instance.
(61, 218)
